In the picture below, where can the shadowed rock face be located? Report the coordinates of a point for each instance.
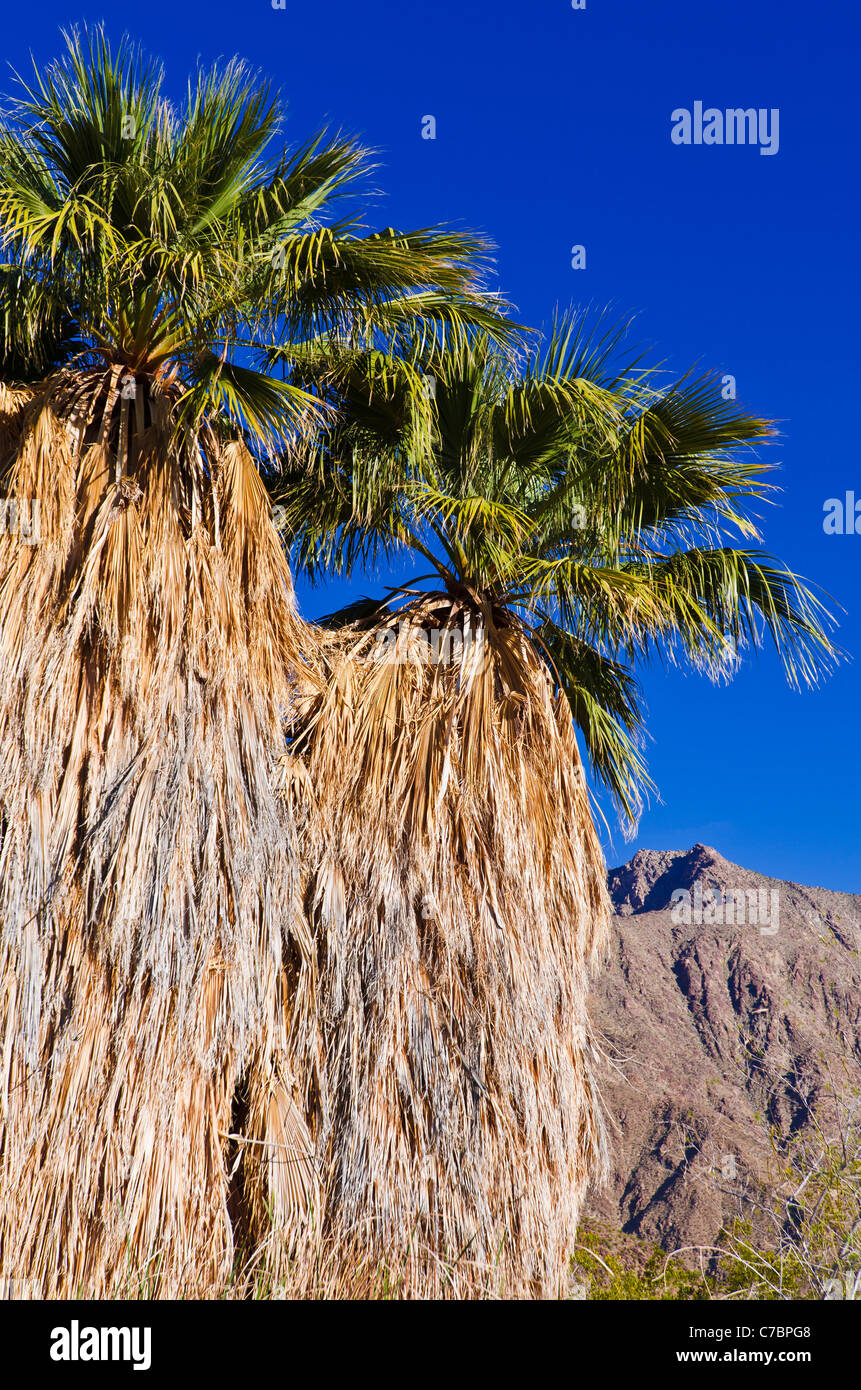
(720, 1023)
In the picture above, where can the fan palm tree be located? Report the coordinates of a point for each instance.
(156, 966)
(607, 517)
(566, 518)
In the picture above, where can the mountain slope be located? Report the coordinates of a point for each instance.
(725, 1029)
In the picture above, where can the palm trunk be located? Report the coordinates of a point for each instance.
(153, 952)
(460, 903)
(203, 1047)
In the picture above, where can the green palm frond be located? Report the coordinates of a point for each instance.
(36, 332)
(605, 705)
(570, 491)
(186, 242)
(718, 603)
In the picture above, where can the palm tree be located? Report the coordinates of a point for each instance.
(572, 496)
(566, 518)
(156, 966)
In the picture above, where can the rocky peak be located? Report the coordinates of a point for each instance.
(647, 882)
(720, 1037)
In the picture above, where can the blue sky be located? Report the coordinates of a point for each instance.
(553, 129)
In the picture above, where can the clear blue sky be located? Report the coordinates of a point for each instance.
(553, 128)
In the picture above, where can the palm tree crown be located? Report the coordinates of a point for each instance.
(179, 248)
(569, 493)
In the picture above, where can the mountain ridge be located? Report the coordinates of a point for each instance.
(728, 1019)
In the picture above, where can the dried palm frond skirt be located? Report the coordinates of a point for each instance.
(459, 903)
(153, 952)
(312, 1020)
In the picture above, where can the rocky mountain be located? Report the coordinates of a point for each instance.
(729, 1016)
